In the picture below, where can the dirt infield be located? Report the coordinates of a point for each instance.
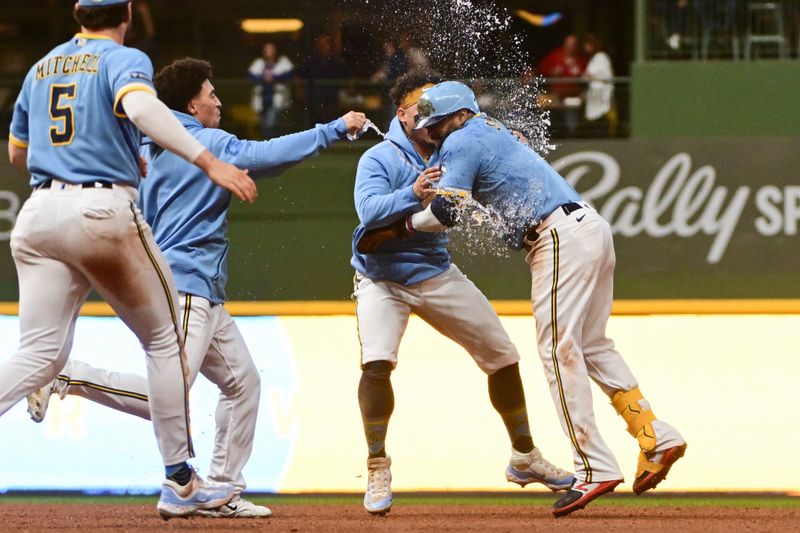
(350, 518)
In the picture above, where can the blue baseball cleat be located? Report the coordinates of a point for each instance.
(183, 500)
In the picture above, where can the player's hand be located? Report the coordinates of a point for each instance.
(426, 184)
(354, 122)
(142, 167)
(373, 239)
(228, 177)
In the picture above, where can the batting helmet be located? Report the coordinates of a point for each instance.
(443, 99)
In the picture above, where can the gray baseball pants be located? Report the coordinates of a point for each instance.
(214, 348)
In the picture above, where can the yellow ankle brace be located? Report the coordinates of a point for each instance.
(636, 412)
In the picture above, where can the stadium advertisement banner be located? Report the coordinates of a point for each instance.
(692, 218)
(706, 375)
(695, 218)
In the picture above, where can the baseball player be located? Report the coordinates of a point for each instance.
(571, 258)
(75, 127)
(415, 275)
(189, 220)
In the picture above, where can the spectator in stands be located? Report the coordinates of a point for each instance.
(676, 15)
(567, 61)
(394, 64)
(320, 70)
(717, 14)
(271, 95)
(600, 72)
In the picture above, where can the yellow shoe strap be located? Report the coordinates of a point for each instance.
(645, 465)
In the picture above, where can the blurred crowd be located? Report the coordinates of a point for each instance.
(724, 29)
(277, 83)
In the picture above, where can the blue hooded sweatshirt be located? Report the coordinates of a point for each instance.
(383, 193)
(188, 212)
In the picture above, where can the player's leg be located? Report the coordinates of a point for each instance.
(382, 312)
(660, 443)
(130, 273)
(229, 365)
(123, 391)
(51, 294)
(454, 306)
(563, 263)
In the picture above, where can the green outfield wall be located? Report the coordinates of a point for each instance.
(693, 218)
(682, 99)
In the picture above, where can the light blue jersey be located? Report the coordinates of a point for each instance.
(383, 193)
(188, 212)
(69, 116)
(485, 159)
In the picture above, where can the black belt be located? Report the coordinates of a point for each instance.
(99, 184)
(531, 235)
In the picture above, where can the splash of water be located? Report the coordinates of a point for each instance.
(368, 125)
(475, 41)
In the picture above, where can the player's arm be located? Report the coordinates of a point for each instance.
(463, 161)
(272, 157)
(156, 121)
(444, 212)
(17, 155)
(445, 209)
(377, 200)
(18, 130)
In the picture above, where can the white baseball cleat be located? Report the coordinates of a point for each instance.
(378, 498)
(531, 467)
(183, 500)
(38, 401)
(238, 507)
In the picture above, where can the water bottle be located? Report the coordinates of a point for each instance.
(367, 125)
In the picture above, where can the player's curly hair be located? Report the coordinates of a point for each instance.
(180, 81)
(101, 17)
(411, 81)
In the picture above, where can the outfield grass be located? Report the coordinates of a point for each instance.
(727, 500)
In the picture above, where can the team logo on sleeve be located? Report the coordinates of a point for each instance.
(139, 75)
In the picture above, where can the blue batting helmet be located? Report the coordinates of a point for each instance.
(443, 99)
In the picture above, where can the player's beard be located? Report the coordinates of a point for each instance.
(421, 138)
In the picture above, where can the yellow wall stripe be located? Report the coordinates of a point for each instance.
(503, 307)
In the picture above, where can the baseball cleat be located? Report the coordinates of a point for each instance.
(183, 500)
(378, 498)
(238, 507)
(531, 467)
(38, 401)
(658, 466)
(581, 494)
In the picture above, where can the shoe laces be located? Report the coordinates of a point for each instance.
(546, 466)
(378, 481)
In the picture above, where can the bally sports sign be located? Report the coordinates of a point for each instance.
(681, 200)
